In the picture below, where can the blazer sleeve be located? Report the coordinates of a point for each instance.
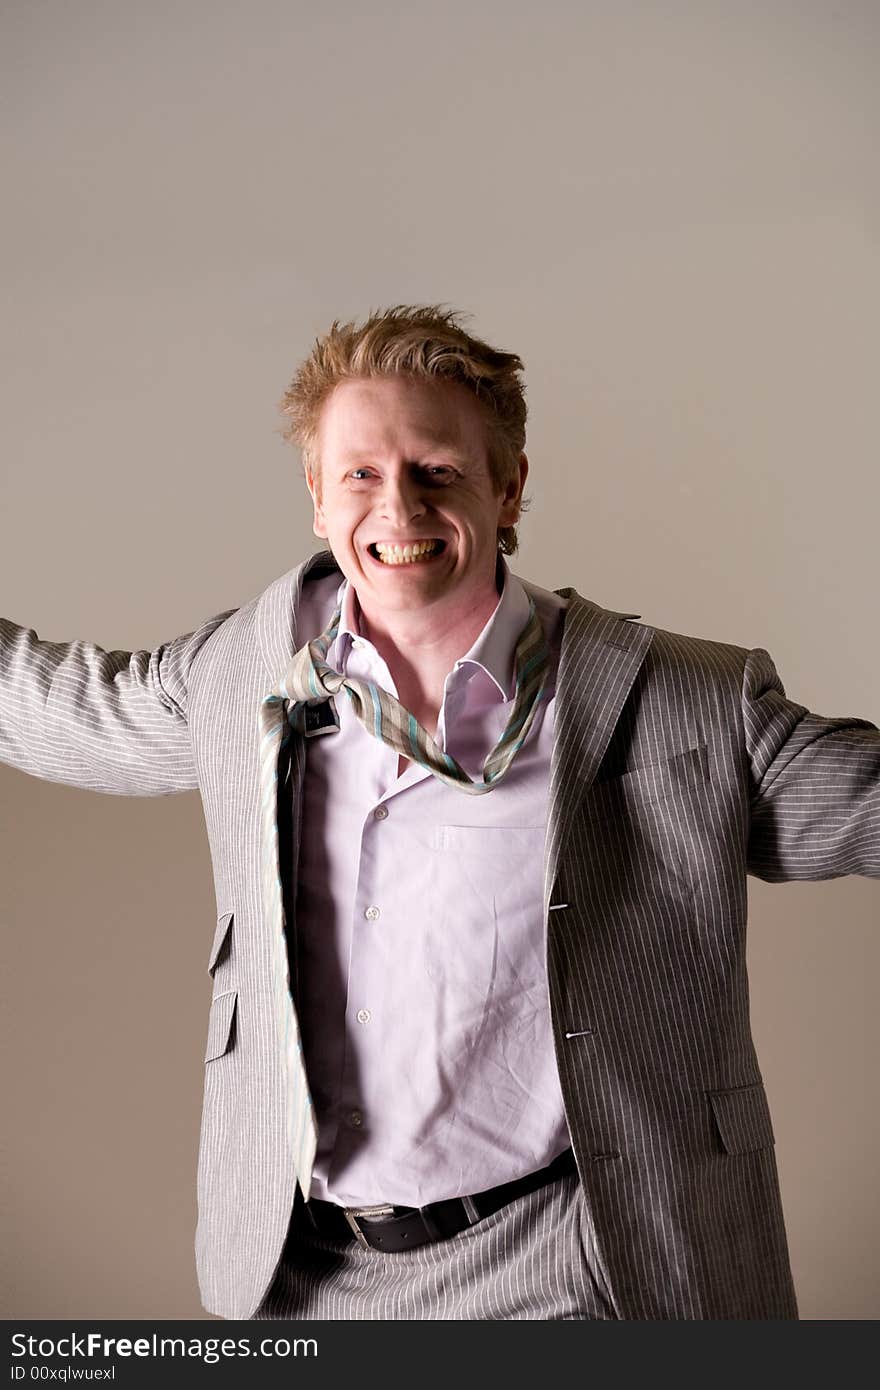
(815, 785)
(105, 721)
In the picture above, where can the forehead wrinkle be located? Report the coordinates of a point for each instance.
(439, 445)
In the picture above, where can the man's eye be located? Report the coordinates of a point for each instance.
(359, 473)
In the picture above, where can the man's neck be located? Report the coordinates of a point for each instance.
(421, 648)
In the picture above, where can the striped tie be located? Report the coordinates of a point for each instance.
(309, 680)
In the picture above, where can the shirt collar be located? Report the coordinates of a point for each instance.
(349, 627)
(495, 648)
(493, 651)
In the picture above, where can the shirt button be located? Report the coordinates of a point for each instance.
(381, 813)
(356, 643)
(371, 914)
(355, 1119)
(363, 1015)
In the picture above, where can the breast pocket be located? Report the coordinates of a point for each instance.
(681, 775)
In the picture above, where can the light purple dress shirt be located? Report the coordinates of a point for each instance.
(423, 995)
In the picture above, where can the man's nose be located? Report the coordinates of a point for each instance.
(402, 500)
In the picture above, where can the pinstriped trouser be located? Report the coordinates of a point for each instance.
(533, 1259)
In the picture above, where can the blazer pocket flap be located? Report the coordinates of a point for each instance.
(221, 937)
(688, 769)
(221, 1025)
(742, 1117)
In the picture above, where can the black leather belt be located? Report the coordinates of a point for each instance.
(391, 1229)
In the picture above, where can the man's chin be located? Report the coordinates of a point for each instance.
(391, 588)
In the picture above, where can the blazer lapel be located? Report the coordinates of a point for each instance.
(600, 658)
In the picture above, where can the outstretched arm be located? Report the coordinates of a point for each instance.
(815, 785)
(107, 721)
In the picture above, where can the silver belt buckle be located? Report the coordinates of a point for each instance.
(351, 1215)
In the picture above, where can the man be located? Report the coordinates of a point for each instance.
(479, 1042)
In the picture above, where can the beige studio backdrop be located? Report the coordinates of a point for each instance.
(671, 211)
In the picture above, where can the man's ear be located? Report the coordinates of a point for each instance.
(319, 521)
(512, 495)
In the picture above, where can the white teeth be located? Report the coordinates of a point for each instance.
(405, 554)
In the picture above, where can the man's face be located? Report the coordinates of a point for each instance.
(403, 464)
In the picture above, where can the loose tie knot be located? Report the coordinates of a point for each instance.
(310, 679)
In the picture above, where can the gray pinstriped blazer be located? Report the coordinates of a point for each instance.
(679, 766)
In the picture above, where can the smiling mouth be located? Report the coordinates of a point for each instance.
(414, 553)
